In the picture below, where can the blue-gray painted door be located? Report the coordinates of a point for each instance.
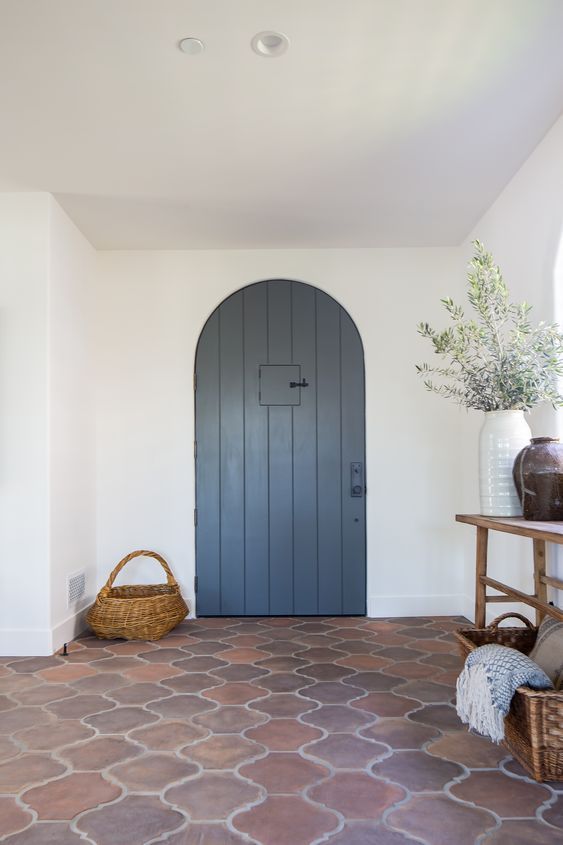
(280, 456)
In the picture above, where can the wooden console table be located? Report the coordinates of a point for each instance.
(540, 533)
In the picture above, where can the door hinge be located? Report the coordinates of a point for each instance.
(195, 516)
(196, 581)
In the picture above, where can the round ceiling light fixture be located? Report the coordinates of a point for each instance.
(191, 46)
(270, 44)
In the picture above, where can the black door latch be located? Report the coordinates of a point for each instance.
(299, 383)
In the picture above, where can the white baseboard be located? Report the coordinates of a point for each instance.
(41, 642)
(432, 605)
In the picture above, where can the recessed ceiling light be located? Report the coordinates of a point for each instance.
(191, 46)
(270, 44)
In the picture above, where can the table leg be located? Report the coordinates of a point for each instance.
(481, 569)
(539, 571)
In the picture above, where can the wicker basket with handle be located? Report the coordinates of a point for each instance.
(534, 726)
(137, 611)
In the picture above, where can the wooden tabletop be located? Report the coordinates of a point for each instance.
(550, 531)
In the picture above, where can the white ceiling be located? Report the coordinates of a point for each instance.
(387, 123)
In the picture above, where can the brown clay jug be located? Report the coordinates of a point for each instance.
(538, 476)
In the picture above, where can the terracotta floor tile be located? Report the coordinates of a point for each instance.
(346, 751)
(99, 753)
(332, 692)
(120, 720)
(135, 819)
(373, 681)
(44, 694)
(386, 704)
(198, 664)
(67, 672)
(198, 833)
(45, 833)
(283, 734)
(442, 716)
(222, 752)
(24, 717)
(410, 669)
(189, 682)
(554, 813)
(28, 769)
(48, 737)
(434, 817)
(206, 649)
(503, 795)
(364, 662)
(400, 733)
(285, 682)
(246, 640)
(326, 671)
(12, 817)
(368, 833)
(280, 647)
(282, 705)
(152, 772)
(67, 797)
(285, 820)
(231, 719)
(337, 717)
(168, 736)
(239, 672)
(212, 796)
(8, 749)
(139, 693)
(357, 795)
(233, 693)
(283, 663)
(178, 711)
(153, 672)
(181, 706)
(283, 773)
(471, 750)
(428, 692)
(523, 832)
(79, 706)
(102, 682)
(417, 771)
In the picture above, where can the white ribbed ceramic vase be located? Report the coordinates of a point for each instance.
(503, 435)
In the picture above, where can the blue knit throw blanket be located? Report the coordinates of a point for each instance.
(491, 676)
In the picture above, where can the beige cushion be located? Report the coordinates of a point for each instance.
(548, 650)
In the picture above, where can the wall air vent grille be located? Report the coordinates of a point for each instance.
(76, 587)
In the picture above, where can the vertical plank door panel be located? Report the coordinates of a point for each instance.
(353, 450)
(256, 453)
(208, 483)
(280, 456)
(305, 563)
(232, 457)
(329, 480)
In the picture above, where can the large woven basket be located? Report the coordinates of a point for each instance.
(137, 611)
(534, 725)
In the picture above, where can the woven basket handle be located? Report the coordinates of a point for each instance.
(496, 622)
(171, 581)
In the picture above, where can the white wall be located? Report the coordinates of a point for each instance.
(523, 230)
(24, 565)
(151, 307)
(72, 505)
(47, 504)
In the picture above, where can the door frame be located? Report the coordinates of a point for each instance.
(363, 409)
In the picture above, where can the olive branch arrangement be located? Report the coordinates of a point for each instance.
(497, 360)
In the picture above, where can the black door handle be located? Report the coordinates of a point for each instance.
(299, 383)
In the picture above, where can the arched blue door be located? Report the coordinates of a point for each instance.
(280, 446)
